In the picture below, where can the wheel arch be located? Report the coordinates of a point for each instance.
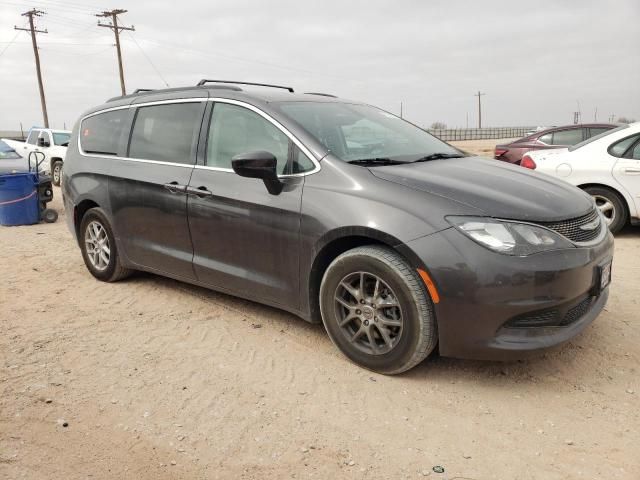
(338, 241)
(79, 211)
(628, 203)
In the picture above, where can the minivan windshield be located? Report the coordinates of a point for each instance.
(359, 133)
(597, 137)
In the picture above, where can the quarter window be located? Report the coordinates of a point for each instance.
(547, 138)
(100, 134)
(167, 133)
(618, 148)
(235, 130)
(635, 153)
(567, 137)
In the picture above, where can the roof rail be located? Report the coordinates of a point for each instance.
(138, 90)
(203, 81)
(321, 94)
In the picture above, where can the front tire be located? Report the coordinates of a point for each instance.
(99, 249)
(376, 310)
(56, 173)
(611, 205)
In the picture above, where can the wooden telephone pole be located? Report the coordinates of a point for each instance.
(32, 29)
(113, 14)
(479, 108)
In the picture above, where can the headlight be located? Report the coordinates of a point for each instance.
(510, 238)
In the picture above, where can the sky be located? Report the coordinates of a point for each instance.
(536, 62)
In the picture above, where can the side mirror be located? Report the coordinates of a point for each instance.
(42, 142)
(258, 165)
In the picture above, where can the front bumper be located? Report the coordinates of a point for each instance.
(499, 307)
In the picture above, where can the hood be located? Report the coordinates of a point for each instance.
(499, 189)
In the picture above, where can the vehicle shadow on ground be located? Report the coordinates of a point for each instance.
(630, 231)
(435, 368)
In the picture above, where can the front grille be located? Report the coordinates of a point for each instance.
(556, 317)
(548, 318)
(571, 228)
(576, 313)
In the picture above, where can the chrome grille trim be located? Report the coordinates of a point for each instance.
(571, 228)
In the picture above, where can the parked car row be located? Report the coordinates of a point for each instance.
(605, 163)
(341, 213)
(606, 166)
(557, 137)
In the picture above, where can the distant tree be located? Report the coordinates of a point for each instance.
(625, 120)
(438, 126)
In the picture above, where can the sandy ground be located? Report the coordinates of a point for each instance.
(155, 379)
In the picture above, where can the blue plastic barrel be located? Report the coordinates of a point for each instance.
(19, 199)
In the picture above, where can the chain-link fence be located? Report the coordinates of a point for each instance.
(453, 134)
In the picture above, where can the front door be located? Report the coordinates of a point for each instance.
(147, 189)
(246, 240)
(627, 172)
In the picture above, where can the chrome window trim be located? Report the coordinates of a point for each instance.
(240, 103)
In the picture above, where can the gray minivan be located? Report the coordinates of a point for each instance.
(338, 212)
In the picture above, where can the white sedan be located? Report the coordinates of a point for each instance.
(606, 166)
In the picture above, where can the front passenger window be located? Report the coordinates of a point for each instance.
(235, 130)
(33, 137)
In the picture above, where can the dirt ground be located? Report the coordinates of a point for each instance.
(150, 378)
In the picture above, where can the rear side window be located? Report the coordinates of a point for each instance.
(617, 149)
(167, 133)
(597, 131)
(100, 134)
(567, 137)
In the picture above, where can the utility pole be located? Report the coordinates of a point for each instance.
(479, 94)
(576, 118)
(401, 110)
(113, 14)
(30, 14)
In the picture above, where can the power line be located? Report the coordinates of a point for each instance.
(148, 59)
(116, 30)
(32, 29)
(9, 44)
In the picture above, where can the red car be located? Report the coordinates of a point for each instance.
(557, 137)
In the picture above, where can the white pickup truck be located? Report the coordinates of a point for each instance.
(53, 143)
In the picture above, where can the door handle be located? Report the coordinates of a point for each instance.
(200, 191)
(632, 171)
(175, 187)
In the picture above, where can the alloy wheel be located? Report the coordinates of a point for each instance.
(368, 312)
(97, 245)
(607, 208)
(57, 169)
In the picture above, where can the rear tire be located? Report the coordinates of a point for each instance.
(376, 310)
(56, 173)
(612, 205)
(99, 249)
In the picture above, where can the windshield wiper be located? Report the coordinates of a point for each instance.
(438, 156)
(375, 161)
